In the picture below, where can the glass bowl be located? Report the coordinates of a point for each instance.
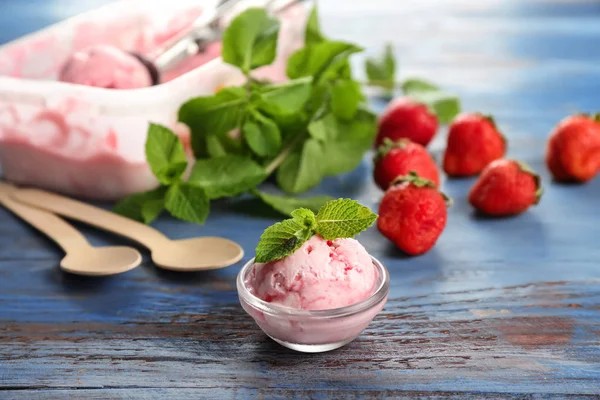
(317, 330)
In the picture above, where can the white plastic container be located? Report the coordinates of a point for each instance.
(89, 142)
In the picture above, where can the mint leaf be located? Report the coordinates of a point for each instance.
(346, 142)
(151, 209)
(212, 115)
(143, 207)
(290, 124)
(165, 154)
(286, 204)
(346, 95)
(226, 176)
(313, 33)
(262, 135)
(343, 218)
(214, 147)
(187, 202)
(314, 60)
(412, 86)
(286, 98)
(250, 40)
(331, 87)
(305, 217)
(382, 71)
(445, 106)
(325, 128)
(301, 170)
(283, 238)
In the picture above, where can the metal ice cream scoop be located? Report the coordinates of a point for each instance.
(83, 67)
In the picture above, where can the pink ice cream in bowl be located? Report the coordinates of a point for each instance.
(317, 294)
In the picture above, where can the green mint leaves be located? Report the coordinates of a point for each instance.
(211, 118)
(143, 207)
(381, 72)
(312, 32)
(167, 160)
(283, 238)
(250, 41)
(285, 99)
(226, 176)
(272, 124)
(187, 202)
(165, 154)
(342, 218)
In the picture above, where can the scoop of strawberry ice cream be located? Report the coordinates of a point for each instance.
(107, 67)
(320, 275)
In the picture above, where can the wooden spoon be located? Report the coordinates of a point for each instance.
(194, 254)
(81, 257)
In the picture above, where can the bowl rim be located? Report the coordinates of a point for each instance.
(375, 298)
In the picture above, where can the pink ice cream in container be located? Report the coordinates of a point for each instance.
(311, 286)
(86, 141)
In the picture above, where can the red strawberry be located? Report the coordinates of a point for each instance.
(506, 187)
(574, 149)
(473, 143)
(413, 214)
(405, 118)
(394, 159)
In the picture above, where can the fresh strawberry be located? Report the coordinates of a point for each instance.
(405, 118)
(506, 187)
(573, 152)
(413, 214)
(398, 158)
(473, 143)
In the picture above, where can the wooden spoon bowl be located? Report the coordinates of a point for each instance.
(192, 254)
(101, 261)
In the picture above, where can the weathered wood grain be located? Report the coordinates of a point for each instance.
(500, 308)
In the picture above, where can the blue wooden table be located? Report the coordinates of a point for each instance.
(500, 308)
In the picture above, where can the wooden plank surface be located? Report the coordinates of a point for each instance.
(500, 308)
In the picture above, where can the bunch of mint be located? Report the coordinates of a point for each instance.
(341, 218)
(315, 125)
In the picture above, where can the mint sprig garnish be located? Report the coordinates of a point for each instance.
(341, 218)
(283, 238)
(315, 125)
(381, 71)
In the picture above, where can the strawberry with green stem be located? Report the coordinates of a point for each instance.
(506, 187)
(394, 159)
(413, 214)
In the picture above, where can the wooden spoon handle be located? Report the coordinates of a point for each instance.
(95, 216)
(57, 229)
